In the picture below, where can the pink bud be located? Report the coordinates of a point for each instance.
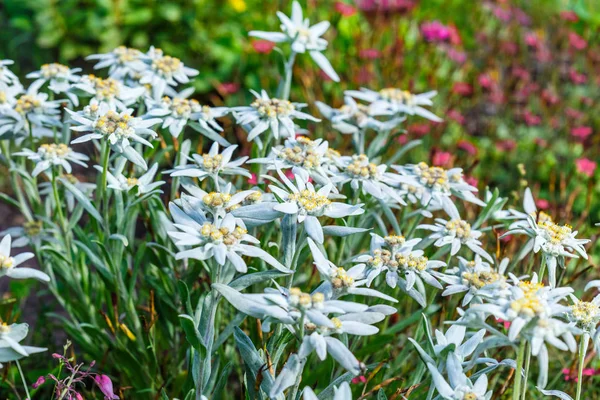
(106, 387)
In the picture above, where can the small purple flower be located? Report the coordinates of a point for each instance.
(106, 387)
(40, 381)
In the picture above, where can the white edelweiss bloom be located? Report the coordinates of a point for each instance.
(307, 158)
(303, 38)
(212, 165)
(87, 188)
(10, 348)
(397, 102)
(6, 75)
(175, 112)
(164, 71)
(338, 281)
(219, 203)
(8, 96)
(296, 310)
(224, 240)
(341, 392)
(143, 185)
(266, 113)
(353, 117)
(477, 278)
(120, 129)
(404, 267)
(456, 232)
(30, 111)
(433, 186)
(8, 264)
(454, 336)
(367, 176)
(52, 155)
(122, 62)
(109, 91)
(308, 204)
(31, 233)
(60, 78)
(205, 122)
(458, 386)
(555, 241)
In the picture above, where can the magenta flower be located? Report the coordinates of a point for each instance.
(576, 41)
(263, 46)
(485, 81)
(586, 166)
(369, 54)
(468, 147)
(106, 387)
(441, 158)
(345, 9)
(359, 379)
(542, 204)
(457, 56)
(505, 146)
(462, 89)
(581, 132)
(456, 116)
(419, 129)
(39, 382)
(576, 77)
(531, 119)
(569, 16)
(435, 32)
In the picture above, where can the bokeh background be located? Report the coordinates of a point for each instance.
(517, 79)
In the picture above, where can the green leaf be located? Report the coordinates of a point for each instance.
(83, 200)
(192, 335)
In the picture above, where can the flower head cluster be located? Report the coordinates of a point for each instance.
(53, 155)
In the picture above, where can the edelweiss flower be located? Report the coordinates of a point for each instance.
(86, 188)
(8, 264)
(304, 201)
(450, 342)
(212, 164)
(175, 112)
(459, 387)
(435, 185)
(31, 233)
(224, 240)
(353, 117)
(51, 155)
(6, 75)
(555, 241)
(341, 392)
(531, 309)
(269, 113)
(207, 125)
(456, 233)
(340, 282)
(302, 37)
(307, 158)
(396, 102)
(109, 91)
(10, 336)
(142, 185)
(123, 62)
(164, 70)
(366, 176)
(30, 111)
(404, 266)
(219, 203)
(477, 278)
(119, 129)
(295, 308)
(8, 98)
(60, 77)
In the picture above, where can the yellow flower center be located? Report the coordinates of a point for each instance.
(125, 54)
(397, 96)
(27, 103)
(181, 108)
(394, 240)
(106, 89)
(336, 323)
(52, 70)
(214, 199)
(32, 228)
(273, 108)
(114, 123)
(50, 151)
(222, 234)
(6, 262)
(585, 312)
(309, 200)
(460, 228)
(340, 278)
(302, 154)
(167, 65)
(555, 233)
(434, 177)
(412, 261)
(4, 328)
(480, 279)
(212, 163)
(361, 168)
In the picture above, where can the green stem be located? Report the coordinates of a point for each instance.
(518, 371)
(23, 379)
(583, 344)
(59, 211)
(286, 84)
(105, 155)
(14, 181)
(542, 269)
(527, 362)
